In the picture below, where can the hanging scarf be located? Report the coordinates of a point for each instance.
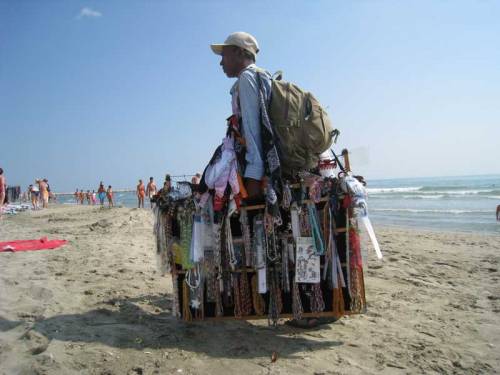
(185, 218)
(272, 163)
(315, 229)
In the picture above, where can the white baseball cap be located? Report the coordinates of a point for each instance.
(239, 39)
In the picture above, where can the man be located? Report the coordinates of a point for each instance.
(498, 212)
(151, 190)
(44, 193)
(239, 53)
(141, 193)
(109, 195)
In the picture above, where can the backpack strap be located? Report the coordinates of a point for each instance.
(277, 76)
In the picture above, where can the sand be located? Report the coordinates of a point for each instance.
(98, 306)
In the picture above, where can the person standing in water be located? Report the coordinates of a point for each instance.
(109, 194)
(101, 193)
(141, 193)
(151, 190)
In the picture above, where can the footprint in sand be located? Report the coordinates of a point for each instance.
(36, 343)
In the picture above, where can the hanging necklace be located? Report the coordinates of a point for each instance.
(296, 303)
(245, 232)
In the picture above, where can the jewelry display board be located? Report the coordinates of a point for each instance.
(296, 259)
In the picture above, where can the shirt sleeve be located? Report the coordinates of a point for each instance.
(250, 113)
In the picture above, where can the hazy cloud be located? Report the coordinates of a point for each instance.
(88, 12)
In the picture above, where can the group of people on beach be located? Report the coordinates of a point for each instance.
(39, 194)
(151, 190)
(91, 197)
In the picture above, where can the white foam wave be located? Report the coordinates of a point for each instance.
(439, 196)
(392, 190)
(433, 211)
(429, 194)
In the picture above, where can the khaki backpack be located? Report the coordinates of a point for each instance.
(302, 126)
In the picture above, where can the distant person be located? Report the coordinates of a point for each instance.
(195, 180)
(28, 193)
(141, 193)
(498, 212)
(167, 186)
(89, 197)
(77, 196)
(109, 194)
(3, 190)
(81, 196)
(35, 192)
(151, 190)
(93, 198)
(101, 193)
(48, 189)
(44, 193)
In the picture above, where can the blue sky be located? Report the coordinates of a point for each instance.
(121, 90)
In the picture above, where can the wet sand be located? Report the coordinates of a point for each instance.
(98, 306)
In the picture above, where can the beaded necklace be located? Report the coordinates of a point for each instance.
(275, 302)
(270, 238)
(237, 297)
(247, 241)
(297, 308)
(245, 294)
(285, 276)
(316, 299)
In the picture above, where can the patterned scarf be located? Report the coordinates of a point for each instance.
(272, 163)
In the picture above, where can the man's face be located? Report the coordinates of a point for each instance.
(231, 61)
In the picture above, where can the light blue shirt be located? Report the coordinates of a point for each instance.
(245, 94)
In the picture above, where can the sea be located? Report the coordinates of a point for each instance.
(464, 204)
(457, 204)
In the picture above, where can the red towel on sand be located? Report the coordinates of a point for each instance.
(27, 245)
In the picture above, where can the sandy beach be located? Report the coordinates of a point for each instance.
(98, 306)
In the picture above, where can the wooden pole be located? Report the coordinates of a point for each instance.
(347, 164)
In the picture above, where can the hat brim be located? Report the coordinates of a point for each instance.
(217, 48)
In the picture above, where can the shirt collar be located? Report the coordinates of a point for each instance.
(249, 67)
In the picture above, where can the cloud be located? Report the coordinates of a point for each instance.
(88, 12)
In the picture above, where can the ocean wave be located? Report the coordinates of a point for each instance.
(431, 211)
(439, 196)
(425, 192)
(392, 190)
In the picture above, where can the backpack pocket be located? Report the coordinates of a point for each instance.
(316, 127)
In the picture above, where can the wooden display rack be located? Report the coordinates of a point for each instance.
(340, 234)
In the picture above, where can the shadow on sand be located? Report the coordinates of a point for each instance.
(126, 325)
